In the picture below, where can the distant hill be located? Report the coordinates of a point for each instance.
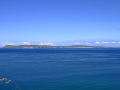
(47, 46)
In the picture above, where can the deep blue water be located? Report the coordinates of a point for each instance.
(61, 69)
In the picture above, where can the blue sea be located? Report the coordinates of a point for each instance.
(60, 69)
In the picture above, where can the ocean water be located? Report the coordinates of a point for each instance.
(60, 69)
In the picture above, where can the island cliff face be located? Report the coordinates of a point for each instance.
(47, 46)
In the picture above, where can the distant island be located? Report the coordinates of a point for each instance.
(48, 46)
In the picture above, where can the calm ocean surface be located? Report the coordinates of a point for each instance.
(61, 69)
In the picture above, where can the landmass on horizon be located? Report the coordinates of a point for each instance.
(50, 46)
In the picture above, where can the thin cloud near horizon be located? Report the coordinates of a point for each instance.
(93, 43)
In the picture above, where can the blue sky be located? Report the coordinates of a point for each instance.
(59, 20)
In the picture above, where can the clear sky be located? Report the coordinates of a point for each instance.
(59, 20)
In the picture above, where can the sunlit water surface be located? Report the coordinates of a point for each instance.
(61, 69)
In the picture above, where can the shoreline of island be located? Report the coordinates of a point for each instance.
(49, 46)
